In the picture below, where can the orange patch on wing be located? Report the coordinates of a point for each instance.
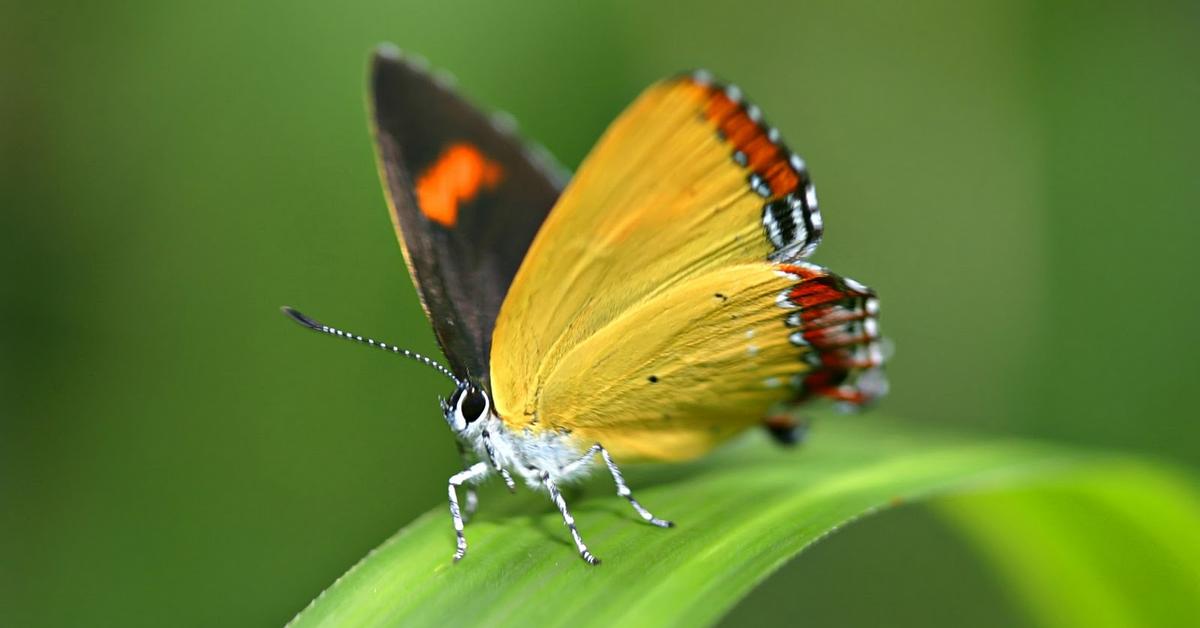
(763, 155)
(456, 177)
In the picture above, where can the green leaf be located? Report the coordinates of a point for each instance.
(744, 511)
(1116, 544)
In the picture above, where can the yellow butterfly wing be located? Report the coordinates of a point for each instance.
(652, 311)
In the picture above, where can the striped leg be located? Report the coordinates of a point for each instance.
(491, 452)
(477, 470)
(468, 509)
(472, 503)
(568, 519)
(619, 480)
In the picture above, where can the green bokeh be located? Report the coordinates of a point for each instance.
(1016, 179)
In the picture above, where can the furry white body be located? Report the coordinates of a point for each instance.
(528, 454)
(544, 459)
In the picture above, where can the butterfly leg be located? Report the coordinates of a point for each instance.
(619, 480)
(472, 499)
(491, 452)
(557, 497)
(476, 471)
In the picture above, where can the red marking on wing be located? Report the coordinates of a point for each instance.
(455, 178)
(764, 156)
(832, 320)
(814, 292)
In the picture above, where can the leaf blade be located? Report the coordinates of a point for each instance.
(742, 514)
(1112, 545)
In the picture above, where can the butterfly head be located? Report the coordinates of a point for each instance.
(468, 404)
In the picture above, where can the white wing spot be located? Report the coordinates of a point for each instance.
(855, 286)
(445, 79)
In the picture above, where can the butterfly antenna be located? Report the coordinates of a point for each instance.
(332, 331)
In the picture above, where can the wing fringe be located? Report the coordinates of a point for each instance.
(836, 320)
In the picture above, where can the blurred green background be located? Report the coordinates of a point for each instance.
(1017, 179)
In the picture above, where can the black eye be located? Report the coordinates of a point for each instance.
(473, 405)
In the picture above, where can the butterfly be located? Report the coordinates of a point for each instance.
(658, 304)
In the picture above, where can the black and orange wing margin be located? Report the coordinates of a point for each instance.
(836, 319)
(466, 198)
(833, 319)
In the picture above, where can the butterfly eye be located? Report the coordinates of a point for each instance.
(470, 404)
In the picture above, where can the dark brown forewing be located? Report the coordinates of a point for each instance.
(462, 261)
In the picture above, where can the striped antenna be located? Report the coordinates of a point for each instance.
(326, 329)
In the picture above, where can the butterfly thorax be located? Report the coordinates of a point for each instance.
(525, 452)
